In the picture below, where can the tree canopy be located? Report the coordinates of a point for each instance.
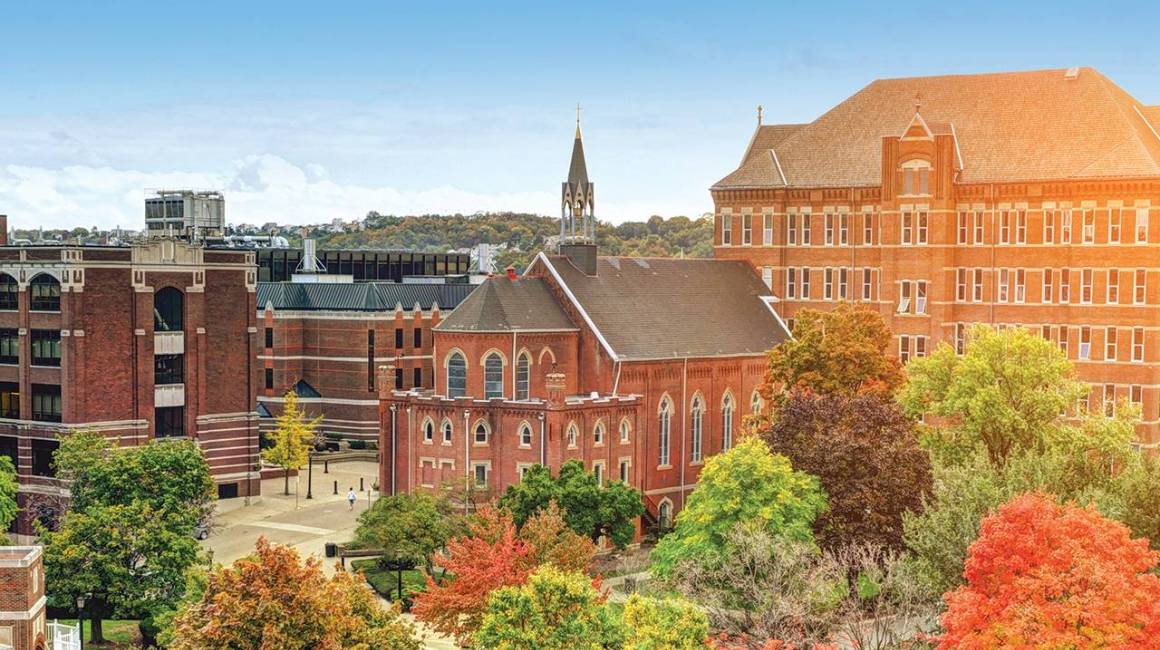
(406, 526)
(590, 509)
(293, 437)
(866, 453)
(9, 488)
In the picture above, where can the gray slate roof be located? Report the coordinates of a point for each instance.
(651, 308)
(359, 296)
(504, 305)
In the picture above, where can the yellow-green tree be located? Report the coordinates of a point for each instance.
(293, 437)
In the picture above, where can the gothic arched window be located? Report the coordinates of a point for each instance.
(456, 375)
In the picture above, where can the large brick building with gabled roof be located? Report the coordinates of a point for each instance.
(640, 368)
(1024, 199)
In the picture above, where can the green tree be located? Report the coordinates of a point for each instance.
(9, 487)
(841, 352)
(130, 559)
(293, 437)
(1005, 393)
(406, 526)
(554, 610)
(589, 508)
(664, 624)
(747, 484)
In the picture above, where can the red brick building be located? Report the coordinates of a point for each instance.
(1023, 199)
(151, 341)
(22, 599)
(326, 339)
(640, 368)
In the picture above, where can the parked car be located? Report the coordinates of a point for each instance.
(201, 531)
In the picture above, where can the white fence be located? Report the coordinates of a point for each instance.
(62, 636)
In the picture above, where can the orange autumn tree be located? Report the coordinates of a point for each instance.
(1047, 575)
(493, 555)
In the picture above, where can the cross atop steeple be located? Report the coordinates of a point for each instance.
(577, 120)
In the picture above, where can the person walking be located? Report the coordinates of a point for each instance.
(351, 497)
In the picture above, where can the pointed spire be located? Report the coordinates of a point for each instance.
(578, 170)
(577, 120)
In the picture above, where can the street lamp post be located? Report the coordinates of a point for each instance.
(81, 620)
(310, 474)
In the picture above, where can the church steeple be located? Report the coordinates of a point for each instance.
(577, 197)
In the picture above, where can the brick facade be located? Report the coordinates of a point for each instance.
(22, 598)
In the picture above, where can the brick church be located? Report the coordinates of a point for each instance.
(638, 367)
(1018, 199)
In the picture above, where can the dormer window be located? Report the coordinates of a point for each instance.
(916, 177)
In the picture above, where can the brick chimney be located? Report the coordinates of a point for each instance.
(3, 230)
(386, 380)
(554, 381)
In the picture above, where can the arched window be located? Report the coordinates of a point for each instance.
(727, 422)
(481, 433)
(665, 513)
(9, 292)
(523, 376)
(756, 404)
(45, 293)
(456, 375)
(493, 376)
(625, 431)
(428, 431)
(447, 432)
(698, 416)
(598, 434)
(525, 435)
(573, 433)
(665, 417)
(168, 310)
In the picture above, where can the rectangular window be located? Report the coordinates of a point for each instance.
(1089, 225)
(1137, 344)
(843, 283)
(828, 278)
(960, 285)
(46, 405)
(1141, 225)
(746, 228)
(919, 347)
(1109, 400)
(767, 228)
(598, 473)
(1137, 395)
(805, 283)
(624, 471)
(1045, 332)
(417, 378)
(1065, 226)
(843, 229)
(1004, 279)
(791, 229)
(791, 283)
(767, 276)
(829, 231)
(907, 228)
(169, 422)
(168, 369)
(1049, 217)
(1064, 335)
(726, 227)
(1085, 287)
(1020, 285)
(42, 452)
(479, 470)
(867, 284)
(960, 338)
(1085, 343)
(807, 229)
(1110, 344)
(417, 337)
(964, 229)
(1113, 286)
(903, 348)
(977, 293)
(398, 338)
(9, 346)
(867, 228)
(1048, 286)
(9, 295)
(46, 347)
(1140, 288)
(920, 297)
(1004, 226)
(1115, 220)
(370, 360)
(10, 400)
(1020, 226)
(398, 379)
(269, 337)
(269, 372)
(1064, 286)
(921, 217)
(904, 297)
(980, 224)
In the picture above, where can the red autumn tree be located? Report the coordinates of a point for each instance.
(838, 352)
(494, 555)
(1054, 576)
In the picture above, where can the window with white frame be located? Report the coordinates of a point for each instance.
(1089, 225)
(1085, 286)
(867, 228)
(867, 284)
(1003, 279)
(903, 348)
(1110, 344)
(428, 432)
(1065, 226)
(1064, 286)
(960, 338)
(922, 223)
(1045, 332)
(1020, 285)
(980, 224)
(493, 376)
(1085, 343)
(481, 433)
(1048, 293)
(791, 229)
(977, 286)
(767, 227)
(767, 276)
(807, 228)
(920, 297)
(1115, 221)
(1140, 287)
(756, 404)
(828, 220)
(1004, 226)
(964, 228)
(1137, 344)
(1137, 395)
(525, 435)
(843, 283)
(697, 417)
(727, 423)
(843, 229)
(791, 282)
(1141, 225)
(1020, 226)
(624, 465)
(746, 228)
(1064, 339)
(446, 432)
(904, 297)
(523, 376)
(598, 434)
(598, 471)
(625, 431)
(726, 227)
(1113, 286)
(456, 375)
(665, 421)
(919, 347)
(573, 435)
(960, 285)
(805, 293)
(1049, 218)
(480, 471)
(907, 236)
(828, 284)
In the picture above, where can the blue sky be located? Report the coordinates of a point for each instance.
(304, 112)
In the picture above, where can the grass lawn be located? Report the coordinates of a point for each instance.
(119, 634)
(387, 582)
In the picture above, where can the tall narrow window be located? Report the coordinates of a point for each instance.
(168, 310)
(1113, 286)
(964, 228)
(481, 433)
(1085, 343)
(1089, 226)
(625, 431)
(665, 420)
(919, 347)
(980, 224)
(9, 293)
(767, 276)
(829, 228)
(755, 403)
(791, 229)
(807, 229)
(1048, 293)
(867, 283)
(697, 415)
(828, 284)
(523, 376)
(1049, 217)
(370, 360)
(1141, 225)
(727, 422)
(960, 338)
(867, 229)
(1140, 287)
(746, 228)
(1020, 226)
(10, 402)
(843, 229)
(525, 435)
(904, 297)
(398, 338)
(907, 227)
(726, 227)
(493, 376)
(1115, 220)
(922, 218)
(269, 338)
(977, 289)
(1110, 344)
(417, 337)
(456, 375)
(791, 283)
(903, 348)
(447, 432)
(1085, 287)
(843, 283)
(805, 283)
(1004, 226)
(1004, 280)
(44, 293)
(1137, 344)
(960, 285)
(920, 297)
(1064, 340)
(1065, 226)
(428, 432)
(9, 345)
(1020, 285)
(1064, 286)
(767, 228)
